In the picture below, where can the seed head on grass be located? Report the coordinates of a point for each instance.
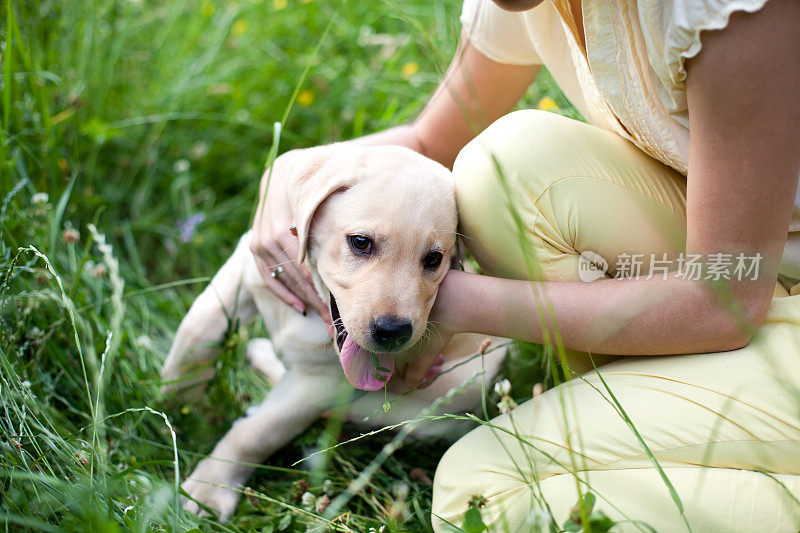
(70, 235)
(98, 271)
(484, 345)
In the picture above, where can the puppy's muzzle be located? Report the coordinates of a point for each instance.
(390, 333)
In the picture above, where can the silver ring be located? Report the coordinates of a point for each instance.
(277, 272)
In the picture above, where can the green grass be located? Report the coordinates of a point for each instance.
(151, 121)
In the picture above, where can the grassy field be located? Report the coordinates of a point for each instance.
(133, 137)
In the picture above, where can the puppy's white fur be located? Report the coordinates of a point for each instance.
(405, 202)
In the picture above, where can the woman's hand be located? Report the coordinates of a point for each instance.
(274, 245)
(425, 359)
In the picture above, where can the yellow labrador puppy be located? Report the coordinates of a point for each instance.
(377, 228)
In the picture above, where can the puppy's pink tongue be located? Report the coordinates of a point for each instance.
(360, 369)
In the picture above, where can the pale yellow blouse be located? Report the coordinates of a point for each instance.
(633, 82)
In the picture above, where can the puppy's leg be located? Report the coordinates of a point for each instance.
(262, 356)
(296, 401)
(197, 342)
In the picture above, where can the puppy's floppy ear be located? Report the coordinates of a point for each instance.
(315, 174)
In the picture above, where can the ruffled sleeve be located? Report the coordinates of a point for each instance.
(500, 35)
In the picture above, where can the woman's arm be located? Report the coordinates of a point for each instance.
(474, 92)
(744, 165)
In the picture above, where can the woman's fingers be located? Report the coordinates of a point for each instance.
(275, 285)
(287, 272)
(297, 277)
(290, 283)
(314, 299)
(433, 371)
(428, 355)
(276, 270)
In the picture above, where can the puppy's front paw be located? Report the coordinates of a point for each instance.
(214, 484)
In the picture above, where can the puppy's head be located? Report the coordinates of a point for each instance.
(377, 226)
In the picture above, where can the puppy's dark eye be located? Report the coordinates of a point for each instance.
(360, 244)
(432, 260)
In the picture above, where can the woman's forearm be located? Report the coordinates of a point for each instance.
(620, 317)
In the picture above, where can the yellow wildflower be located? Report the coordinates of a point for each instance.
(239, 27)
(547, 104)
(279, 4)
(305, 98)
(409, 69)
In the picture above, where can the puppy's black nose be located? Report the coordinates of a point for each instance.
(391, 332)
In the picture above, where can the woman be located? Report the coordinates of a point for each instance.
(692, 157)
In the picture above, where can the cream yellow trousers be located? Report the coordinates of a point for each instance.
(724, 427)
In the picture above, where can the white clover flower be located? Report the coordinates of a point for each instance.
(308, 501)
(199, 150)
(327, 487)
(502, 388)
(40, 198)
(180, 166)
